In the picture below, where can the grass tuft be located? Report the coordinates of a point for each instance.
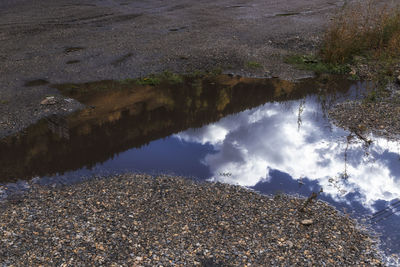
(363, 28)
(153, 81)
(253, 65)
(313, 63)
(165, 77)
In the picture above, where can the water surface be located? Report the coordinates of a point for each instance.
(266, 134)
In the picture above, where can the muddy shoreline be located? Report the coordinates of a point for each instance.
(137, 219)
(46, 42)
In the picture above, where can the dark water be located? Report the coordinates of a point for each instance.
(269, 135)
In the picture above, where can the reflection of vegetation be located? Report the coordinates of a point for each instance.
(345, 175)
(301, 109)
(197, 85)
(223, 99)
(123, 115)
(171, 78)
(127, 81)
(337, 181)
(283, 88)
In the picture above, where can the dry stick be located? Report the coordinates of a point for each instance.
(367, 141)
(310, 199)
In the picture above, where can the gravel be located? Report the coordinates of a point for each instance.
(138, 220)
(380, 117)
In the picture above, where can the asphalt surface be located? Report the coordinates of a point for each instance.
(79, 41)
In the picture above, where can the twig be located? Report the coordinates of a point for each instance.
(310, 199)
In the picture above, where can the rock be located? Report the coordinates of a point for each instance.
(289, 244)
(307, 222)
(398, 79)
(50, 100)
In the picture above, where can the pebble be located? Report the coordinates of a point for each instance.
(307, 222)
(139, 220)
(50, 100)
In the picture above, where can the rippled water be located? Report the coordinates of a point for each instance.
(269, 135)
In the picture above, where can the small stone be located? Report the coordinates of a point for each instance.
(398, 79)
(50, 100)
(362, 127)
(307, 222)
(289, 244)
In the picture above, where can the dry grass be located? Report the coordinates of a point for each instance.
(363, 28)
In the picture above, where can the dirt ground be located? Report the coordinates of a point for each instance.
(50, 42)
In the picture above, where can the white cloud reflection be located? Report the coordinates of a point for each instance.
(252, 142)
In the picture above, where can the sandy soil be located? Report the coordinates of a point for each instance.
(88, 40)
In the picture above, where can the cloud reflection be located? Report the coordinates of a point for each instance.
(253, 142)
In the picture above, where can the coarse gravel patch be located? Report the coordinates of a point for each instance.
(139, 220)
(380, 117)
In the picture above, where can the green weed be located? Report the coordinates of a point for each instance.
(153, 81)
(171, 78)
(313, 63)
(253, 65)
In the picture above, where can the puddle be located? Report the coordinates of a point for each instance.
(266, 134)
(123, 115)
